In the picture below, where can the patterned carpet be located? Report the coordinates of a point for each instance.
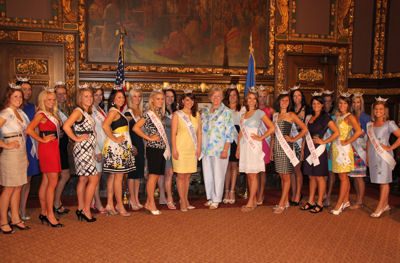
(223, 235)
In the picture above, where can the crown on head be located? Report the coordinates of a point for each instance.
(380, 99)
(97, 86)
(157, 89)
(262, 88)
(284, 92)
(166, 87)
(48, 89)
(253, 90)
(136, 87)
(358, 94)
(345, 94)
(232, 86)
(22, 79)
(117, 87)
(295, 87)
(188, 91)
(316, 94)
(59, 83)
(328, 92)
(84, 86)
(13, 85)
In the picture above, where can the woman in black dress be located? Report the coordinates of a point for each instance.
(317, 124)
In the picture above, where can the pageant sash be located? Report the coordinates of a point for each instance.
(33, 151)
(284, 144)
(161, 131)
(53, 120)
(342, 157)
(255, 147)
(313, 158)
(189, 126)
(262, 130)
(378, 148)
(359, 148)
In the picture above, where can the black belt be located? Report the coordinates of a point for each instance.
(83, 132)
(44, 133)
(12, 136)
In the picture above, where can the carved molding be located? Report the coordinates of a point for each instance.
(31, 66)
(310, 75)
(271, 39)
(281, 64)
(68, 40)
(344, 10)
(283, 9)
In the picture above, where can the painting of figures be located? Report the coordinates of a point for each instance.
(178, 32)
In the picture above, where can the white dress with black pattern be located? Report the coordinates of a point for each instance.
(118, 157)
(83, 151)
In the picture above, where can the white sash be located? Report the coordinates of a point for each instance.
(342, 157)
(359, 149)
(53, 120)
(313, 158)
(161, 131)
(189, 126)
(255, 147)
(378, 148)
(284, 144)
(262, 130)
(33, 151)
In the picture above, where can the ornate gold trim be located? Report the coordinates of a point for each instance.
(31, 66)
(281, 66)
(83, 63)
(271, 39)
(310, 75)
(367, 91)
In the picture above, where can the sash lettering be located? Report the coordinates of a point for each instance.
(161, 131)
(378, 148)
(284, 144)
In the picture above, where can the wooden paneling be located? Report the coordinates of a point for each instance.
(392, 58)
(312, 16)
(363, 36)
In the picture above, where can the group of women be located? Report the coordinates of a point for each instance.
(172, 136)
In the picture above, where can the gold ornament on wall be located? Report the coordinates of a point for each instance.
(283, 8)
(310, 75)
(31, 66)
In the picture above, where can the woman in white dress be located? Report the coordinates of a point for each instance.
(13, 159)
(249, 150)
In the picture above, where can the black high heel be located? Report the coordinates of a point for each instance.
(42, 218)
(79, 214)
(90, 220)
(53, 225)
(7, 232)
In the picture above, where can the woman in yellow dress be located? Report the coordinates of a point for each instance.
(342, 152)
(186, 145)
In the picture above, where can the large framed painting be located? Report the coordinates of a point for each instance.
(178, 32)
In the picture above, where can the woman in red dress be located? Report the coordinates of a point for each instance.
(48, 152)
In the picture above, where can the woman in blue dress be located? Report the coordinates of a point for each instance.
(380, 153)
(33, 168)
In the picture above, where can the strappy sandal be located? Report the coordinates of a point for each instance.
(247, 208)
(317, 209)
(307, 206)
(61, 210)
(6, 232)
(171, 205)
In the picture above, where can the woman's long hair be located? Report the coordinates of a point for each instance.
(277, 105)
(137, 110)
(192, 97)
(41, 98)
(247, 96)
(173, 105)
(79, 99)
(160, 113)
(226, 98)
(111, 98)
(6, 99)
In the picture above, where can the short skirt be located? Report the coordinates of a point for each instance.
(155, 160)
(13, 164)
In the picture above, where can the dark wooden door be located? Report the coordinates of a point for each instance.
(312, 72)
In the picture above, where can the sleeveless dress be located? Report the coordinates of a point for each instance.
(118, 157)
(266, 145)
(252, 161)
(342, 156)
(63, 141)
(360, 169)
(13, 162)
(317, 129)
(168, 117)
(187, 161)
(137, 141)
(282, 162)
(49, 153)
(379, 171)
(31, 145)
(235, 118)
(83, 151)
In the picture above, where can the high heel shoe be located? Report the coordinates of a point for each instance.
(153, 212)
(339, 211)
(89, 220)
(42, 218)
(380, 212)
(171, 205)
(58, 210)
(58, 225)
(17, 225)
(345, 205)
(279, 209)
(232, 200)
(226, 200)
(124, 214)
(79, 214)
(110, 211)
(132, 206)
(7, 232)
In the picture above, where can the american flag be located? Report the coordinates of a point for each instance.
(120, 78)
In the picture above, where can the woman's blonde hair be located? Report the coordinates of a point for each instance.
(386, 117)
(362, 108)
(79, 98)
(41, 98)
(151, 105)
(137, 111)
(215, 89)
